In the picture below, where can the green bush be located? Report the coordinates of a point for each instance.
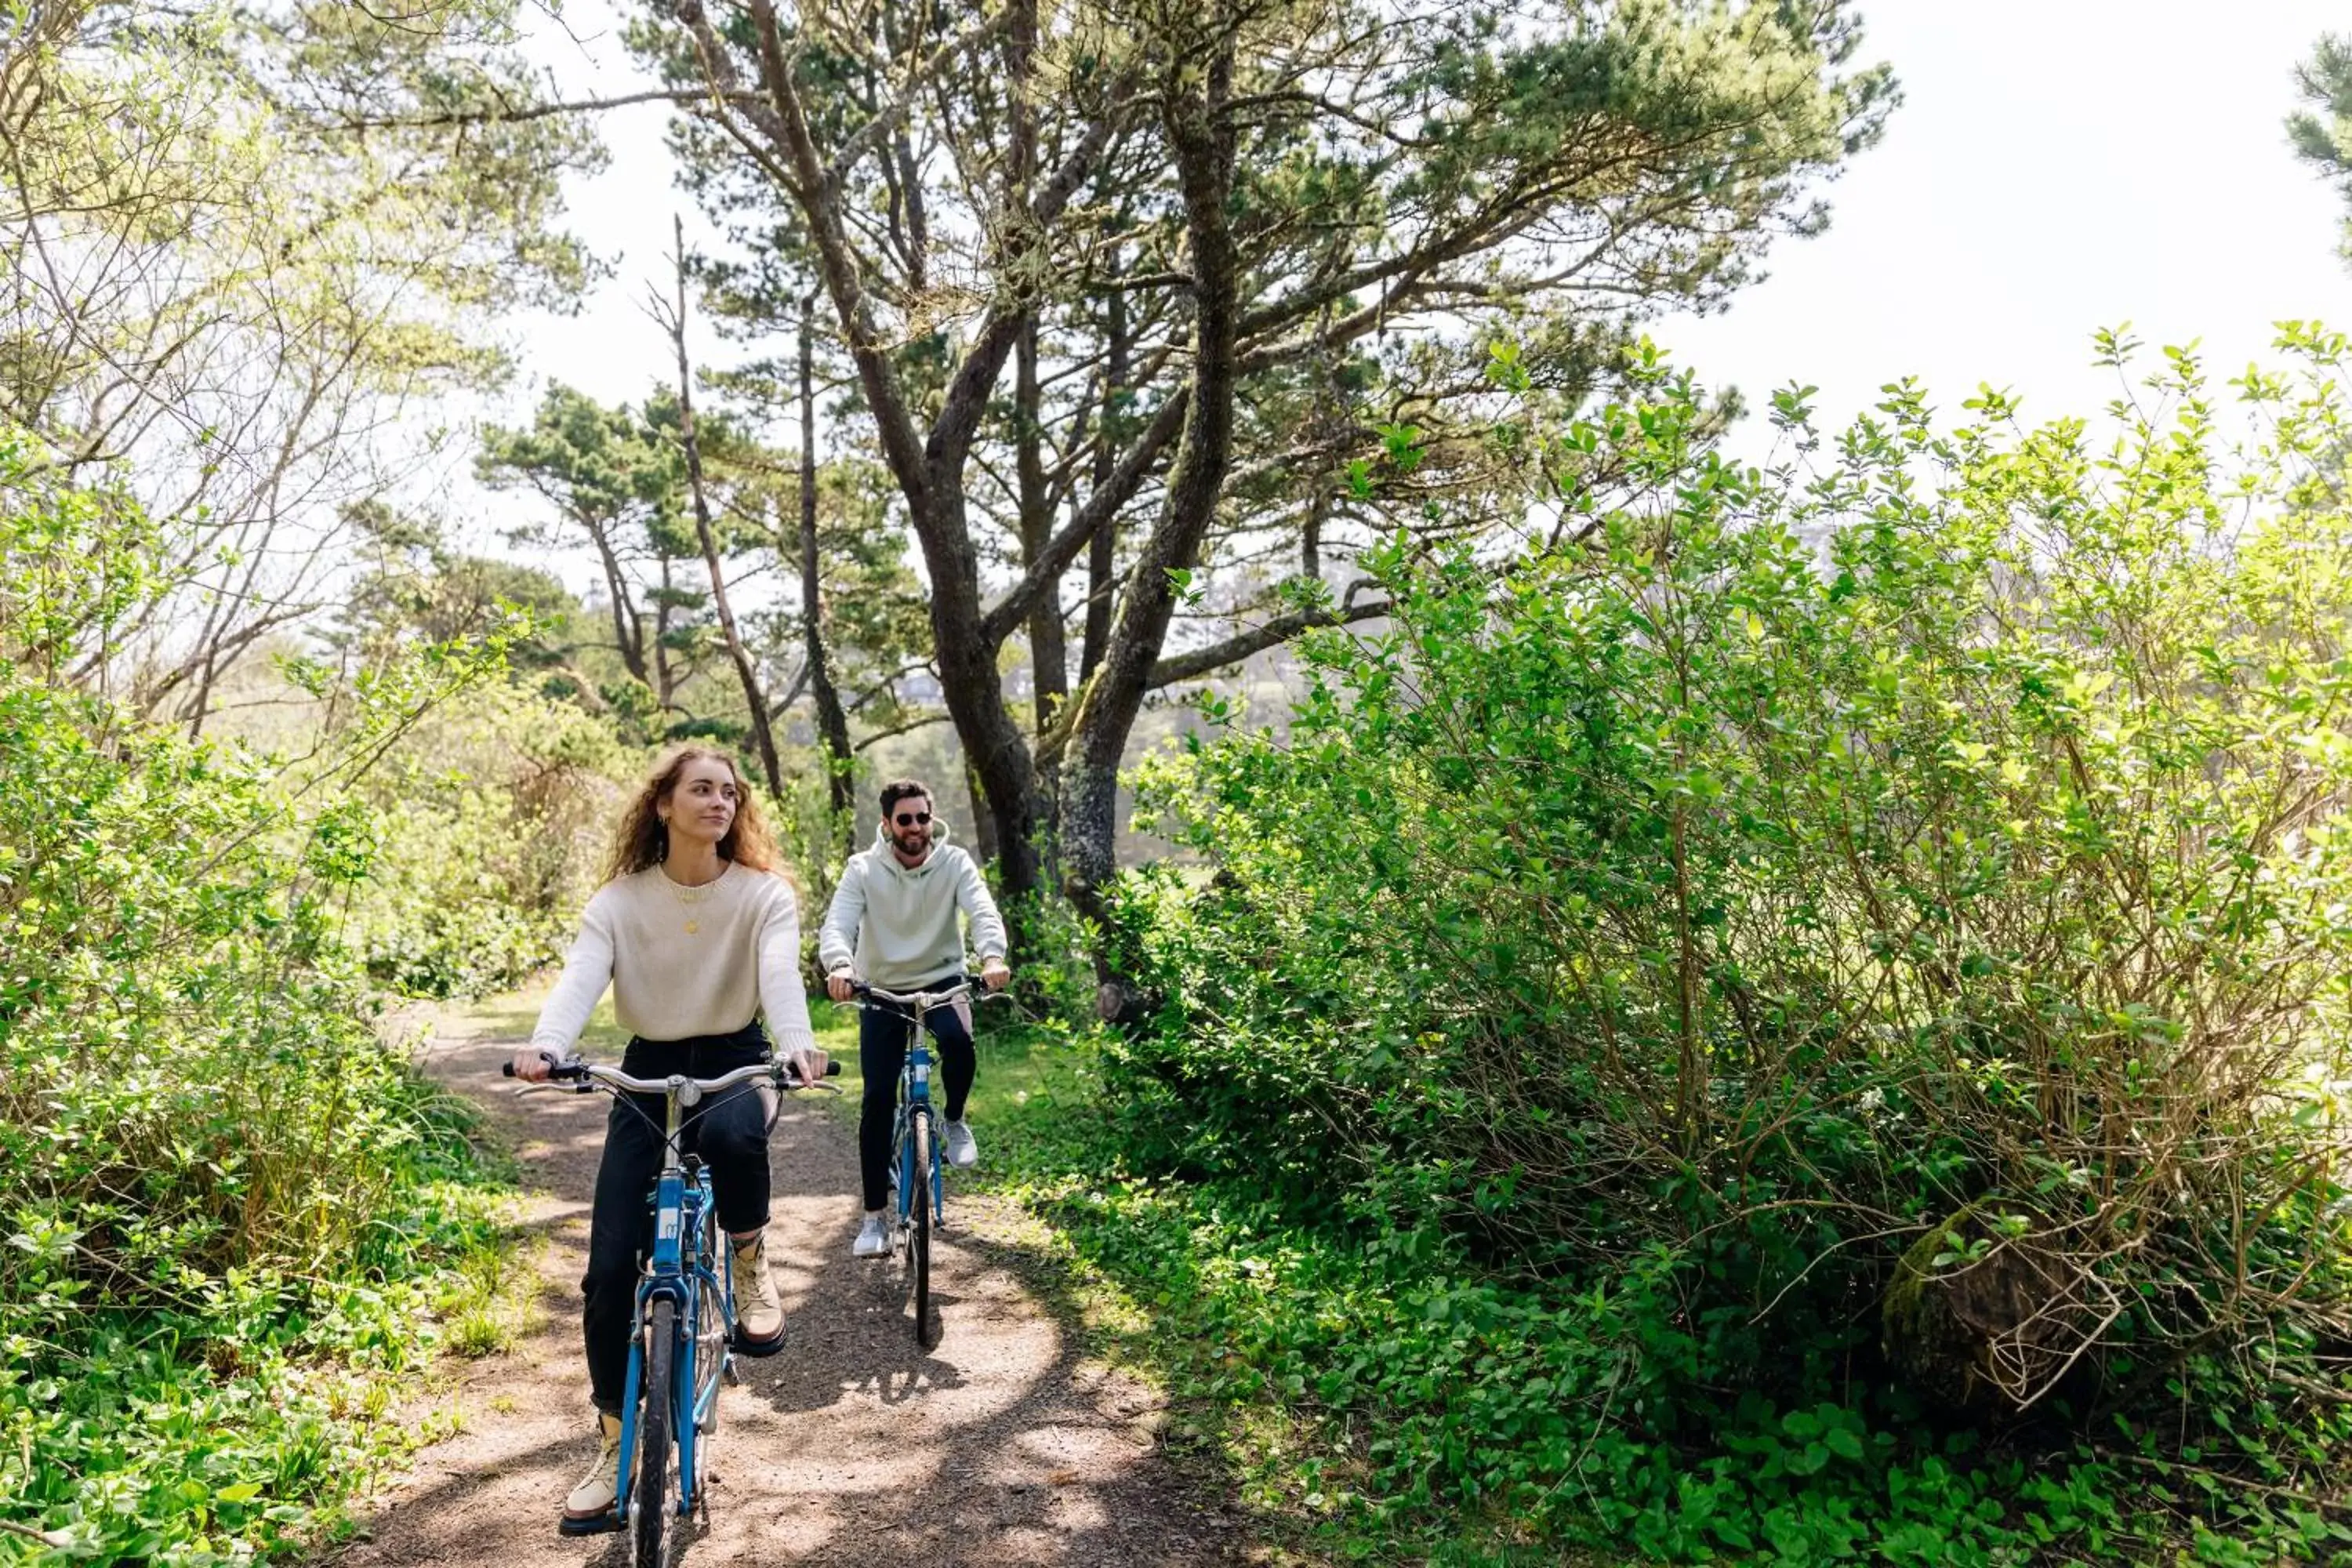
(223, 1195)
(1924, 871)
(490, 821)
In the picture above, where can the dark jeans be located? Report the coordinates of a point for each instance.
(882, 1033)
(729, 1133)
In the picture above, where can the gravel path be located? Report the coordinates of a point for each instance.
(1001, 1445)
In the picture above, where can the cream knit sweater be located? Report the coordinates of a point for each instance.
(741, 958)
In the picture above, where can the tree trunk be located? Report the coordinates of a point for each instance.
(763, 737)
(983, 823)
(998, 753)
(1102, 550)
(1202, 139)
(927, 463)
(832, 723)
(665, 683)
(628, 629)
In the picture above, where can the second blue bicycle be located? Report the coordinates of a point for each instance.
(918, 1203)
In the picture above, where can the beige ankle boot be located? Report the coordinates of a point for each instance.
(758, 1311)
(589, 1508)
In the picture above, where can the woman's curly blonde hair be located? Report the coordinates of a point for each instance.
(643, 840)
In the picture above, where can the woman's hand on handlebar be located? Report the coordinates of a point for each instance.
(841, 985)
(530, 1064)
(994, 974)
(808, 1068)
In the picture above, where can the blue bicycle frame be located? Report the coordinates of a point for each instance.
(914, 1089)
(917, 1160)
(692, 1273)
(681, 1198)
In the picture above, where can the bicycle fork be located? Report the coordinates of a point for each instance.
(669, 1279)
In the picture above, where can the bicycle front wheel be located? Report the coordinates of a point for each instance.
(918, 1239)
(649, 1503)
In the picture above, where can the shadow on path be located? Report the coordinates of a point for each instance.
(1003, 1445)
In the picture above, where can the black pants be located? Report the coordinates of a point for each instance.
(729, 1133)
(882, 1034)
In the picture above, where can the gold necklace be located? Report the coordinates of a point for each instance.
(688, 898)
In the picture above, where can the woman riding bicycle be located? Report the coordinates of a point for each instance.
(698, 932)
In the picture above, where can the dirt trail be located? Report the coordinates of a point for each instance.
(1000, 1445)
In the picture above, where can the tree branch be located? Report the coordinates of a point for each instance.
(925, 721)
(902, 444)
(1095, 515)
(886, 119)
(1258, 638)
(509, 115)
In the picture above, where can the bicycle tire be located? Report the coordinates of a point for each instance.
(918, 1241)
(649, 1504)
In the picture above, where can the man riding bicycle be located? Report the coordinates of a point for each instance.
(893, 924)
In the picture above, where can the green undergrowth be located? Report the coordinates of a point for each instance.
(230, 1418)
(235, 1221)
(1809, 1026)
(1380, 1397)
(1016, 1064)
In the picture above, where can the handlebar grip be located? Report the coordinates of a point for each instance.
(569, 1068)
(833, 1069)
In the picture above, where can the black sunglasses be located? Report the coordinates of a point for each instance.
(922, 819)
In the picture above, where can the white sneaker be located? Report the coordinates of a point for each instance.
(963, 1148)
(873, 1241)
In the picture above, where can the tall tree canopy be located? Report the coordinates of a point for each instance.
(238, 243)
(1168, 287)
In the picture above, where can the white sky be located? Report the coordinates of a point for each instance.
(2054, 167)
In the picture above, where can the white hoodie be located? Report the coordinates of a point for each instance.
(896, 925)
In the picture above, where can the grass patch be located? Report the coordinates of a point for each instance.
(512, 1014)
(488, 1297)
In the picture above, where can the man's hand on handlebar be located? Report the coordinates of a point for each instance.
(843, 984)
(808, 1068)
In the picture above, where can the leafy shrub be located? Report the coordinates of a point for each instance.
(1886, 923)
(489, 824)
(222, 1196)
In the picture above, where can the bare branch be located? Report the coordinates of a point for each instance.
(1100, 509)
(507, 114)
(1265, 634)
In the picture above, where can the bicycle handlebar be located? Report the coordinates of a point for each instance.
(925, 999)
(583, 1072)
